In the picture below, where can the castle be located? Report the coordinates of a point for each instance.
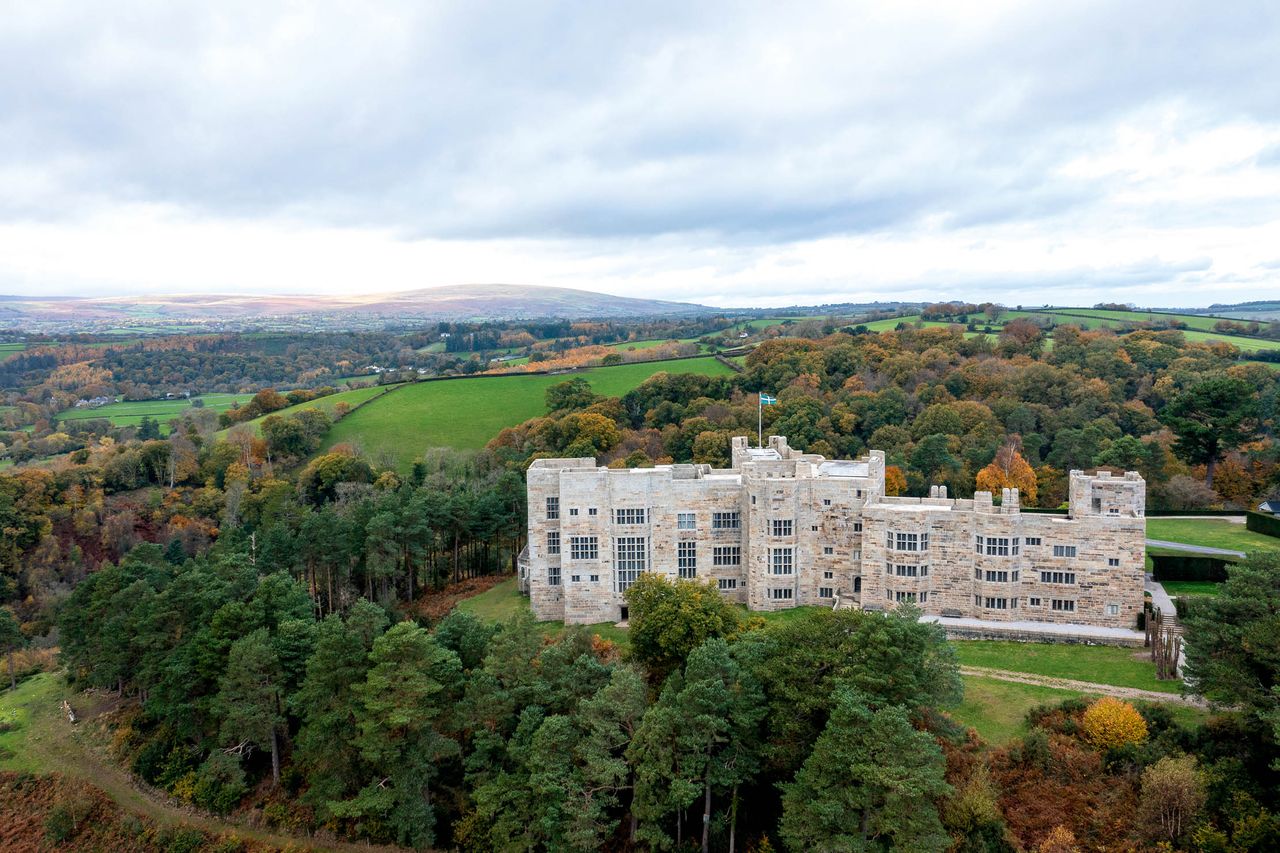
(781, 528)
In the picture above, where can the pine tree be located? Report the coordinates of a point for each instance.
(250, 698)
(871, 782)
(11, 639)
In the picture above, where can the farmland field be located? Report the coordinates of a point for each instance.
(466, 413)
(353, 398)
(131, 413)
(1193, 321)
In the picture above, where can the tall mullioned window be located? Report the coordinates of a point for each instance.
(630, 558)
(553, 576)
(687, 559)
(782, 527)
(726, 520)
(781, 562)
(584, 548)
(629, 516)
(553, 508)
(553, 541)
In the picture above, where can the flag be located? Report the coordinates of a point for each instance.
(766, 400)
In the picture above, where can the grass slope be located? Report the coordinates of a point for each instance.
(1211, 533)
(1098, 664)
(465, 413)
(503, 601)
(328, 404)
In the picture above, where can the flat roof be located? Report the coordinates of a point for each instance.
(844, 468)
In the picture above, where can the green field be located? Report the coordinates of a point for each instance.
(15, 709)
(1240, 343)
(997, 710)
(1193, 321)
(466, 413)
(131, 413)
(1211, 533)
(637, 345)
(1191, 587)
(326, 404)
(1099, 664)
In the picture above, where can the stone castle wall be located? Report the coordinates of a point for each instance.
(809, 530)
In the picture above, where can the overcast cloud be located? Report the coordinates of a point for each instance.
(724, 153)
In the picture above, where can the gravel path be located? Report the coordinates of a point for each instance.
(1083, 686)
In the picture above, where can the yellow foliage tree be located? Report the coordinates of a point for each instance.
(895, 482)
(1059, 840)
(1009, 471)
(1110, 723)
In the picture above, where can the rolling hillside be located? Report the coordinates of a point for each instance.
(465, 413)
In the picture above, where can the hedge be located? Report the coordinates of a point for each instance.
(1267, 525)
(1186, 567)
(1207, 513)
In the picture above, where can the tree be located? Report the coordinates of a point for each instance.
(400, 713)
(570, 395)
(11, 640)
(670, 619)
(1233, 640)
(1008, 470)
(895, 482)
(1110, 723)
(250, 697)
(1172, 795)
(872, 781)
(1210, 418)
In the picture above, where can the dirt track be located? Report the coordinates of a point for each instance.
(1083, 686)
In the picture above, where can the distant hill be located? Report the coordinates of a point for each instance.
(456, 302)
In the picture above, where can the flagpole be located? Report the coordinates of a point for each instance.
(759, 420)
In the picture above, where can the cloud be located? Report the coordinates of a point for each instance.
(736, 152)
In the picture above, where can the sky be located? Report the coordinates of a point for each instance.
(731, 154)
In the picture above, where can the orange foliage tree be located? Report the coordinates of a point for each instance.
(1009, 471)
(895, 482)
(1110, 723)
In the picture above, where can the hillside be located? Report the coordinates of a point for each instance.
(455, 302)
(465, 413)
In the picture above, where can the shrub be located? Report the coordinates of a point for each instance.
(1110, 723)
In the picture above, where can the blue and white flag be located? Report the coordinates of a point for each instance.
(766, 400)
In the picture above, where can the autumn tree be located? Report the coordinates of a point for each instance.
(1172, 795)
(1008, 470)
(11, 640)
(1110, 723)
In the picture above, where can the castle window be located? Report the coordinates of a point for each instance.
(1032, 540)
(1064, 550)
(827, 549)
(782, 594)
(687, 559)
(1113, 609)
(904, 597)
(553, 542)
(1058, 577)
(1016, 550)
(553, 509)
(1033, 602)
(630, 558)
(629, 516)
(591, 510)
(584, 548)
(726, 520)
(995, 603)
(686, 521)
(781, 562)
(826, 576)
(575, 578)
(782, 527)
(906, 571)
(573, 510)
(826, 592)
(826, 502)
(1113, 561)
(595, 579)
(997, 577)
(857, 527)
(1064, 605)
(978, 544)
(553, 576)
(726, 555)
(726, 584)
(908, 541)
(997, 546)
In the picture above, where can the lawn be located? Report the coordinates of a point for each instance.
(1211, 533)
(503, 601)
(466, 413)
(1099, 664)
(998, 709)
(1191, 587)
(131, 413)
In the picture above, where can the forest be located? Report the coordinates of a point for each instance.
(261, 606)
